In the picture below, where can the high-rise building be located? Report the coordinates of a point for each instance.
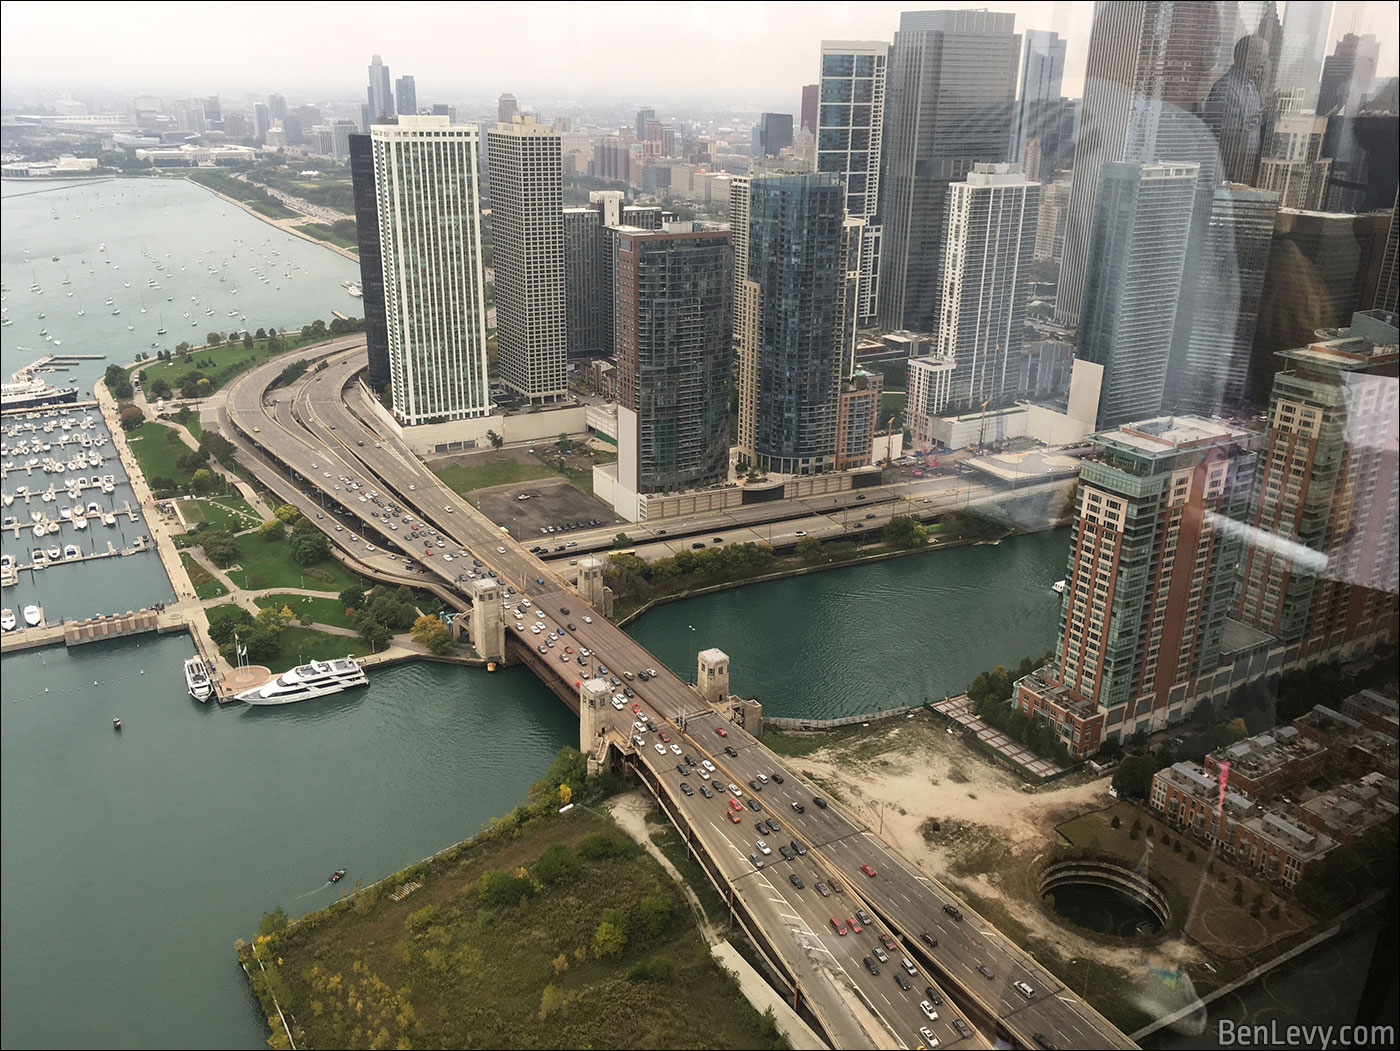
(645, 114)
(1305, 39)
(993, 216)
(1321, 574)
(850, 124)
(1236, 251)
(857, 419)
(771, 134)
(787, 323)
(950, 100)
(381, 95)
(583, 286)
(673, 357)
(429, 208)
(1293, 166)
(1347, 73)
(810, 94)
(1050, 231)
(1364, 144)
(1316, 278)
(1235, 110)
(1387, 294)
(1149, 69)
(506, 108)
(366, 193)
(1137, 252)
(276, 107)
(262, 122)
(406, 95)
(1042, 79)
(1150, 579)
(527, 227)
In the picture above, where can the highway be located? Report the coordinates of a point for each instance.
(312, 429)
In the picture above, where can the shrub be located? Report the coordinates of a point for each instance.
(556, 864)
(652, 969)
(596, 846)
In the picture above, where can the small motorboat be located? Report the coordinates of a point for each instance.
(7, 620)
(32, 615)
(337, 876)
(72, 551)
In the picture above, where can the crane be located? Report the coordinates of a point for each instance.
(982, 430)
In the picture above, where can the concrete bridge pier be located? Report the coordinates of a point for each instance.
(488, 624)
(594, 697)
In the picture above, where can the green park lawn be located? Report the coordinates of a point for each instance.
(325, 233)
(157, 448)
(300, 644)
(317, 610)
(502, 471)
(229, 359)
(206, 585)
(268, 564)
(230, 512)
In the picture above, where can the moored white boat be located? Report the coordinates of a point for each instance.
(197, 679)
(316, 679)
(7, 620)
(32, 615)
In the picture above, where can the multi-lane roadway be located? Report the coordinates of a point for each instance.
(964, 971)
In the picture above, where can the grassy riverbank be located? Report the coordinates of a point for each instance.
(547, 930)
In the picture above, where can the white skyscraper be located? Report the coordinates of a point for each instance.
(993, 216)
(527, 225)
(434, 288)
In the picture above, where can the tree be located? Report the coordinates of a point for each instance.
(203, 387)
(904, 531)
(286, 513)
(273, 922)
(622, 540)
(260, 334)
(809, 549)
(159, 389)
(433, 633)
(352, 597)
(309, 548)
(221, 547)
(495, 439)
(131, 417)
(503, 889)
(213, 339)
(204, 481)
(609, 939)
(654, 911)
(272, 530)
(180, 348)
(375, 634)
(557, 864)
(247, 341)
(565, 443)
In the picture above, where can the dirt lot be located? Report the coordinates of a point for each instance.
(553, 501)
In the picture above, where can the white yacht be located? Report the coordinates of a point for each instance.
(32, 615)
(305, 681)
(1059, 586)
(197, 679)
(7, 620)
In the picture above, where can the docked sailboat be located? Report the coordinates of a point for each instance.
(197, 679)
(317, 679)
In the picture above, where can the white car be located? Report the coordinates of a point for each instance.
(588, 620)
(800, 532)
(500, 551)
(661, 748)
(539, 613)
(676, 748)
(535, 628)
(617, 701)
(735, 792)
(371, 547)
(447, 558)
(709, 766)
(927, 1009)
(763, 848)
(412, 488)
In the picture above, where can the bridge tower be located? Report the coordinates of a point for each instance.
(712, 676)
(590, 582)
(594, 697)
(488, 619)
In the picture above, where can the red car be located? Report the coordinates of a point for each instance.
(735, 805)
(887, 942)
(838, 926)
(663, 736)
(867, 870)
(721, 731)
(854, 925)
(636, 707)
(735, 816)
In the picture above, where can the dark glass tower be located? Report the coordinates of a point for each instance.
(371, 271)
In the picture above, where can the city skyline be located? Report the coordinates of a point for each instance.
(724, 60)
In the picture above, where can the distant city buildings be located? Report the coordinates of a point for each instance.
(506, 108)
(1293, 166)
(772, 134)
(811, 94)
(1042, 79)
(527, 225)
(406, 95)
(1347, 73)
(381, 95)
(425, 171)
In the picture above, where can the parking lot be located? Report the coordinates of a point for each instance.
(550, 502)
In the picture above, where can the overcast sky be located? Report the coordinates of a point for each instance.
(729, 52)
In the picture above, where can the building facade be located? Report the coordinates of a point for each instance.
(950, 100)
(849, 130)
(1293, 166)
(366, 192)
(1042, 80)
(673, 357)
(788, 322)
(1149, 580)
(1137, 253)
(993, 216)
(429, 207)
(406, 95)
(381, 94)
(857, 419)
(527, 223)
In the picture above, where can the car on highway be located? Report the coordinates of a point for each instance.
(753, 805)
(800, 532)
(871, 966)
(851, 922)
(735, 816)
(867, 870)
(734, 804)
(820, 802)
(588, 620)
(864, 917)
(868, 517)
(838, 926)
(964, 1030)
(735, 791)
(902, 981)
(686, 789)
(707, 793)
(709, 766)
(1043, 1042)
(887, 942)
(928, 939)
(1024, 989)
(543, 648)
(953, 911)
(763, 848)
(799, 808)
(797, 848)
(661, 748)
(676, 748)
(932, 995)
(822, 889)
(756, 861)
(772, 825)
(909, 967)
(787, 854)
(985, 971)
(760, 828)
(796, 881)
(835, 884)
(777, 778)
(926, 1035)
(880, 954)
(730, 752)
(616, 703)
(665, 736)
(755, 785)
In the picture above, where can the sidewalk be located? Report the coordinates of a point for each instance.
(630, 812)
(959, 709)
